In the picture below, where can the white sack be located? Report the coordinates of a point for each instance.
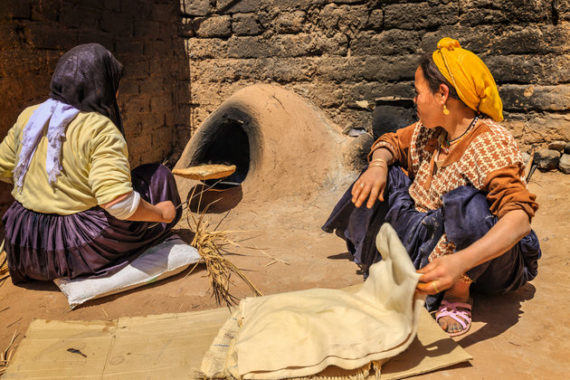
(161, 261)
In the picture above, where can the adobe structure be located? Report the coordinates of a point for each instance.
(183, 58)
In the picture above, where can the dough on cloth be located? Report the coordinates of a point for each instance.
(301, 333)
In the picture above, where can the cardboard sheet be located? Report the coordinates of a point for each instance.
(171, 346)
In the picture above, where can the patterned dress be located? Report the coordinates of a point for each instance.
(487, 158)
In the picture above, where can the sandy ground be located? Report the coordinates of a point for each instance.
(518, 336)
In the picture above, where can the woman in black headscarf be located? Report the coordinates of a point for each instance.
(78, 208)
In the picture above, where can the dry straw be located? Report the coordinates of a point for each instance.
(6, 355)
(212, 245)
(4, 272)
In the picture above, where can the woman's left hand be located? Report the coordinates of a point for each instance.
(441, 274)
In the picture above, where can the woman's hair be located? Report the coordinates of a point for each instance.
(435, 77)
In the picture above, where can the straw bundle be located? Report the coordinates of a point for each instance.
(212, 246)
(4, 272)
(6, 355)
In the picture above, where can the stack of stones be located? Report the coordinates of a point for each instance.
(557, 156)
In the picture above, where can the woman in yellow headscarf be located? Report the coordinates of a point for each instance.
(463, 210)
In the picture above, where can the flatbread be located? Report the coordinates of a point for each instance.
(206, 171)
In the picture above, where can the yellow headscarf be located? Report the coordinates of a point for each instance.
(471, 78)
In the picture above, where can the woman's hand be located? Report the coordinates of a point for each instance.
(167, 211)
(441, 274)
(370, 185)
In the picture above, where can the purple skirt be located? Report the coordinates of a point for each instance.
(48, 246)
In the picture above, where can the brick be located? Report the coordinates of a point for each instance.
(16, 9)
(346, 19)
(117, 24)
(45, 12)
(376, 19)
(215, 26)
(144, 28)
(524, 69)
(243, 6)
(535, 98)
(355, 69)
(198, 48)
(389, 42)
(287, 46)
(165, 13)
(112, 5)
(195, 7)
(246, 24)
(420, 16)
(79, 17)
(290, 22)
(160, 102)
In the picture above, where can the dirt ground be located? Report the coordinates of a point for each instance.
(518, 336)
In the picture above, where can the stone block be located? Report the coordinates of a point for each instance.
(547, 159)
(346, 19)
(567, 148)
(376, 19)
(246, 24)
(535, 39)
(242, 6)
(538, 128)
(535, 98)
(523, 69)
(290, 22)
(214, 26)
(197, 48)
(557, 145)
(417, 16)
(389, 42)
(297, 45)
(195, 7)
(564, 164)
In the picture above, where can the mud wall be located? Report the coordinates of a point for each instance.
(340, 52)
(143, 35)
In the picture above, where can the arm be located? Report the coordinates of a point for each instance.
(372, 182)
(163, 212)
(388, 149)
(446, 270)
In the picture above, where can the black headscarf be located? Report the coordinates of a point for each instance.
(87, 77)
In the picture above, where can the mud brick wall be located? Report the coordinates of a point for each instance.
(338, 52)
(142, 34)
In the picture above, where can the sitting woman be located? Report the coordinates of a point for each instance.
(454, 191)
(78, 208)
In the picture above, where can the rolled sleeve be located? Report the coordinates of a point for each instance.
(398, 143)
(507, 192)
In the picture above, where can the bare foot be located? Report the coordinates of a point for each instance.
(458, 293)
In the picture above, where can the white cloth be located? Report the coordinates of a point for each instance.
(125, 208)
(59, 115)
(301, 333)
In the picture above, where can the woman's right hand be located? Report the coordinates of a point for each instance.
(167, 211)
(370, 185)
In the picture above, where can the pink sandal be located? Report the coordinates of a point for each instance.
(458, 311)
